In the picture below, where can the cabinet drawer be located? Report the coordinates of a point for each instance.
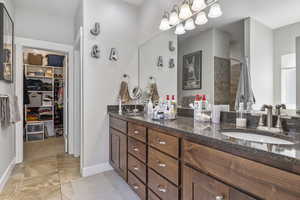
(164, 164)
(118, 124)
(138, 149)
(152, 196)
(163, 188)
(137, 168)
(137, 186)
(163, 142)
(255, 178)
(136, 131)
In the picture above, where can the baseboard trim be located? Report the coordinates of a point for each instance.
(4, 178)
(95, 169)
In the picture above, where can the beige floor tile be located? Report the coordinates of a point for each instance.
(40, 167)
(36, 184)
(67, 191)
(69, 175)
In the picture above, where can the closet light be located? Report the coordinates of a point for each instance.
(201, 18)
(164, 24)
(189, 24)
(180, 29)
(185, 11)
(215, 11)
(198, 5)
(174, 19)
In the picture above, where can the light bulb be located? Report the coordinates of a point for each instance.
(215, 11)
(180, 29)
(201, 18)
(189, 24)
(174, 19)
(164, 24)
(185, 11)
(198, 5)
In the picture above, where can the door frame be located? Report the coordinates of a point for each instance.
(22, 43)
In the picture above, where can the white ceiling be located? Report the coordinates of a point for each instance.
(63, 8)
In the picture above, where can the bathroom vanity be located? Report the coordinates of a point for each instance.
(175, 160)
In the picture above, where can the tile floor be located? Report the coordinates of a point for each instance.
(49, 174)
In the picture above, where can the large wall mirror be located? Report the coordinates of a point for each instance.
(209, 59)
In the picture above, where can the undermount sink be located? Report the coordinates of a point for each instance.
(257, 138)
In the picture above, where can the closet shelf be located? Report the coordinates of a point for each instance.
(39, 121)
(40, 91)
(38, 77)
(42, 66)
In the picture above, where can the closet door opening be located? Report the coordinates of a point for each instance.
(44, 108)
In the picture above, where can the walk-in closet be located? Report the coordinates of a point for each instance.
(43, 94)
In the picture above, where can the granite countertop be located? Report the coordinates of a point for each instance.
(285, 157)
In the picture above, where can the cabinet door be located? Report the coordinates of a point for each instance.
(118, 152)
(198, 186)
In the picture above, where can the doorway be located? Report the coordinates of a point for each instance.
(43, 103)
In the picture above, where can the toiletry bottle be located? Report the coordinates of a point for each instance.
(197, 108)
(150, 108)
(241, 120)
(204, 102)
(174, 107)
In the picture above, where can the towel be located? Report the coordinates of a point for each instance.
(154, 92)
(4, 111)
(244, 93)
(14, 110)
(124, 93)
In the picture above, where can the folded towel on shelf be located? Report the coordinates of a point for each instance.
(4, 111)
(154, 92)
(124, 92)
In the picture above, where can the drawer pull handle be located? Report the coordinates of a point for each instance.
(136, 169)
(219, 198)
(136, 187)
(160, 141)
(136, 132)
(160, 164)
(162, 189)
(135, 149)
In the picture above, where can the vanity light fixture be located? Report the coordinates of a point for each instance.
(185, 10)
(198, 5)
(180, 29)
(201, 18)
(215, 11)
(164, 24)
(174, 18)
(191, 12)
(189, 24)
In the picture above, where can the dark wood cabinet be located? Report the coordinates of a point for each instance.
(198, 186)
(167, 166)
(118, 152)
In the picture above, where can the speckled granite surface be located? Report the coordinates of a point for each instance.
(285, 157)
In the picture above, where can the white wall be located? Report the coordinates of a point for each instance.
(166, 78)
(201, 42)
(101, 76)
(259, 48)
(35, 24)
(284, 43)
(221, 43)
(78, 20)
(7, 135)
(298, 73)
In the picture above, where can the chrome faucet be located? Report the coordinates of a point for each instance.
(269, 109)
(279, 127)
